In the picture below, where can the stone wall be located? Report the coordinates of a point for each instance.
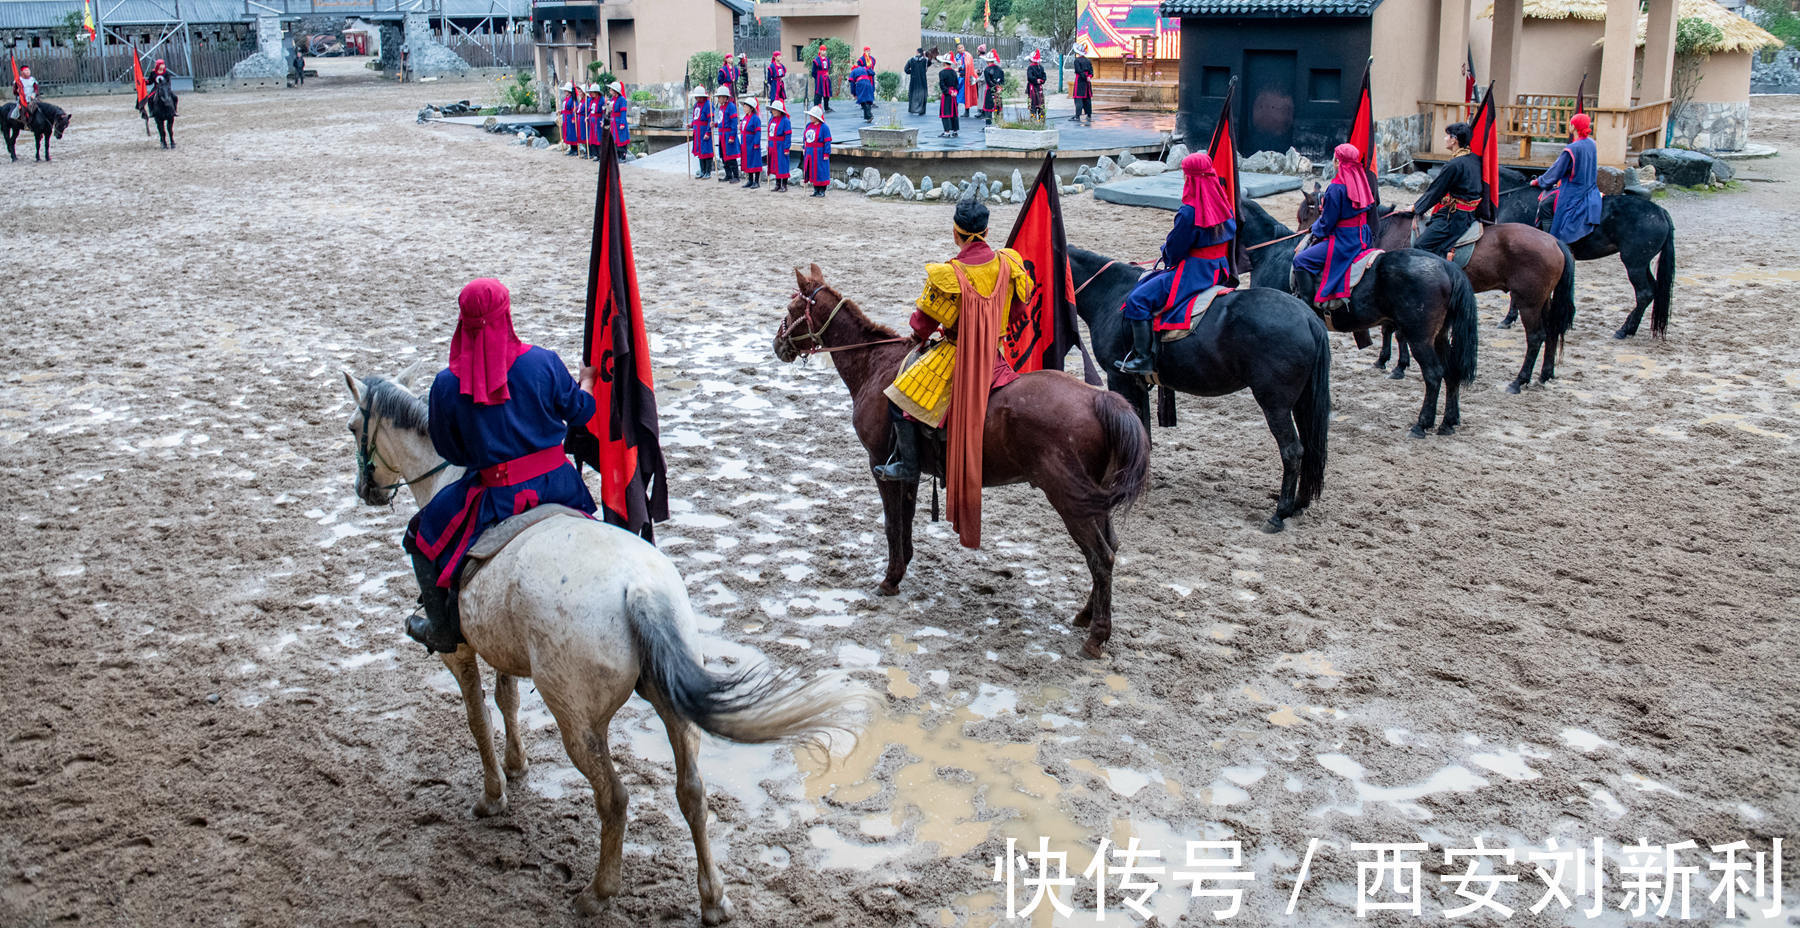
(1712, 126)
(1781, 74)
(425, 55)
(1397, 137)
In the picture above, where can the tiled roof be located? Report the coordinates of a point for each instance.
(1272, 9)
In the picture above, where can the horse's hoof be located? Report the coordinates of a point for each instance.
(587, 903)
(1504, 324)
(1274, 525)
(888, 589)
(1091, 648)
(515, 774)
(1398, 374)
(1379, 365)
(1512, 387)
(1446, 429)
(716, 914)
(1624, 334)
(488, 808)
(1418, 431)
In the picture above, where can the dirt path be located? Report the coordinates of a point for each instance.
(1574, 619)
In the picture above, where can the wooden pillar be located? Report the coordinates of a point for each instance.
(1659, 52)
(1618, 56)
(1452, 55)
(1503, 49)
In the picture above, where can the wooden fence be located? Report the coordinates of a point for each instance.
(112, 63)
(1011, 47)
(503, 50)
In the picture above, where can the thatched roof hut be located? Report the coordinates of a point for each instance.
(1741, 35)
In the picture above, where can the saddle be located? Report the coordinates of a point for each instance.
(497, 537)
(1463, 248)
(1197, 307)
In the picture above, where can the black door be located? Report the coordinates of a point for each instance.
(1268, 101)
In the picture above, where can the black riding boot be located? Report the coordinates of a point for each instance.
(903, 467)
(437, 626)
(1139, 362)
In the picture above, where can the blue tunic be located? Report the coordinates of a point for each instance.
(1343, 234)
(781, 138)
(815, 145)
(701, 126)
(862, 84)
(753, 152)
(621, 121)
(568, 119)
(1169, 292)
(728, 132)
(1575, 177)
(545, 401)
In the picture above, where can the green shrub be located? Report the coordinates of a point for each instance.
(520, 93)
(642, 96)
(842, 60)
(597, 74)
(887, 85)
(703, 68)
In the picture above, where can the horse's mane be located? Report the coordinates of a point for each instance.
(396, 404)
(850, 307)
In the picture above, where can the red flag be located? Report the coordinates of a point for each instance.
(1469, 79)
(1039, 336)
(14, 58)
(137, 74)
(1223, 150)
(622, 441)
(1581, 95)
(1362, 125)
(1485, 142)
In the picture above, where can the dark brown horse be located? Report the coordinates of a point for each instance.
(1525, 262)
(1083, 447)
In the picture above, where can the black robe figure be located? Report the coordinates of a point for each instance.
(949, 102)
(1453, 198)
(918, 72)
(1034, 87)
(995, 79)
(1083, 91)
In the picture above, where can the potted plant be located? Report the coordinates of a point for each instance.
(891, 134)
(1021, 132)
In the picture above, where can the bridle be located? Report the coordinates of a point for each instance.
(368, 455)
(786, 340)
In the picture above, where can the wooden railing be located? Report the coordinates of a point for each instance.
(1545, 118)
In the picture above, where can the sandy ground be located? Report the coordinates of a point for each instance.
(1572, 620)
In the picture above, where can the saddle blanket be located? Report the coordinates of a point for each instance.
(1361, 266)
(496, 538)
(1197, 307)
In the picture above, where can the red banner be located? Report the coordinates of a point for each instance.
(1223, 151)
(1362, 125)
(622, 441)
(1038, 337)
(1485, 142)
(137, 74)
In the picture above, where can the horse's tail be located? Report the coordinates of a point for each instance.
(1459, 367)
(1562, 302)
(1128, 453)
(1312, 412)
(755, 705)
(1665, 281)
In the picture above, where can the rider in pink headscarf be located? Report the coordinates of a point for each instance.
(1197, 254)
(500, 411)
(1344, 230)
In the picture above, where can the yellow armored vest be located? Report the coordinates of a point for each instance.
(923, 387)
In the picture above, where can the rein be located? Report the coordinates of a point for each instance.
(1103, 269)
(815, 333)
(1277, 241)
(368, 455)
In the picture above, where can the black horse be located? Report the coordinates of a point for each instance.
(1260, 339)
(160, 106)
(1426, 299)
(1632, 227)
(45, 120)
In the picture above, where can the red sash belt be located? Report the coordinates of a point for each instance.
(504, 474)
(1360, 219)
(1210, 252)
(1466, 206)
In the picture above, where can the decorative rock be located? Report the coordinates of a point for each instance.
(1682, 168)
(538, 141)
(996, 198)
(1295, 163)
(1104, 170)
(1126, 158)
(1416, 181)
(1018, 186)
(1145, 168)
(839, 185)
(981, 191)
(925, 183)
(1723, 171)
(855, 184)
(1071, 189)
(1263, 162)
(1611, 181)
(871, 179)
(950, 191)
(1081, 173)
(899, 185)
(1177, 152)
(979, 179)
(936, 193)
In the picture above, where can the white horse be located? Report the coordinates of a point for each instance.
(591, 612)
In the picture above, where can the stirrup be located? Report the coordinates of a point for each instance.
(1135, 364)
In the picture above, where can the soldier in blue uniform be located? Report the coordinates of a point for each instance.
(1197, 254)
(1344, 229)
(1570, 204)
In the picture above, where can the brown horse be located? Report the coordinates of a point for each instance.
(1083, 447)
(1527, 263)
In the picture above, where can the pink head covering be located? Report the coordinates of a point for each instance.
(1200, 188)
(484, 346)
(1351, 175)
(1582, 125)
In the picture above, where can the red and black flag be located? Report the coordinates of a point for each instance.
(623, 440)
(1041, 335)
(14, 58)
(1362, 130)
(1469, 81)
(137, 76)
(1485, 143)
(1223, 151)
(1581, 95)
